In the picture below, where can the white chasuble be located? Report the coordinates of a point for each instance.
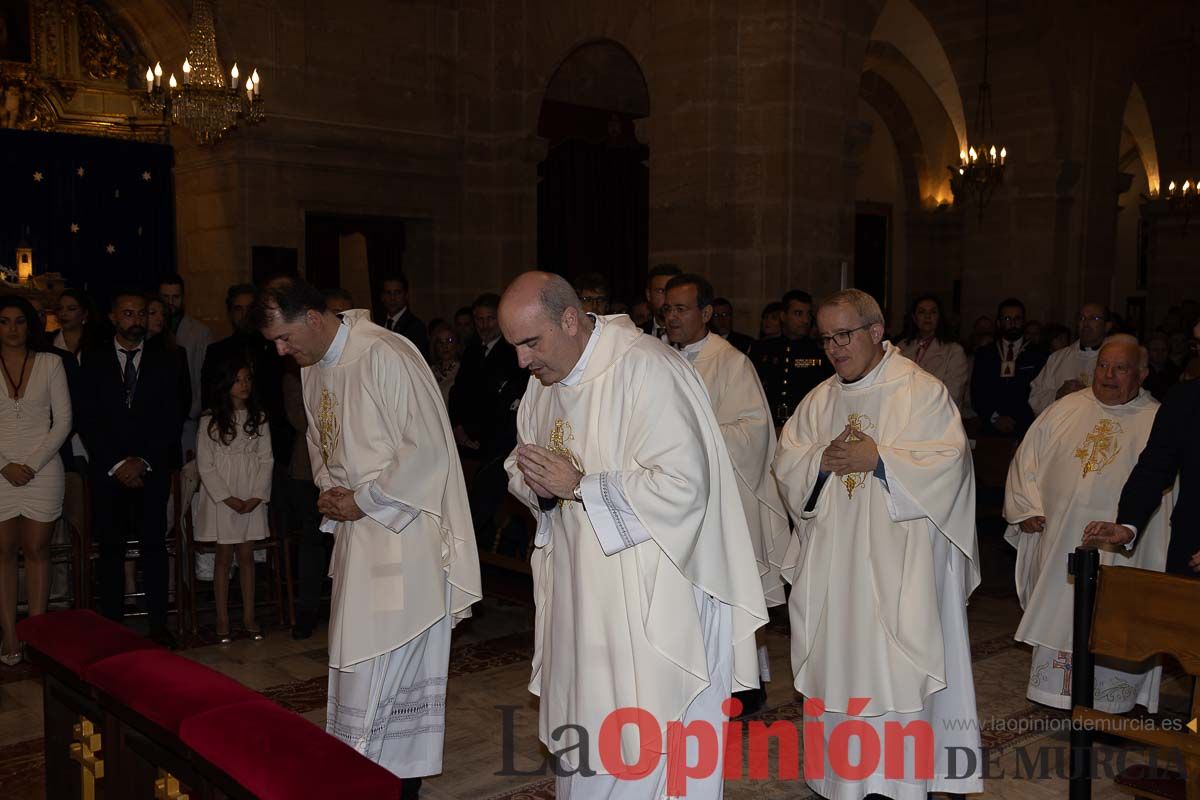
(1070, 469)
(1067, 364)
(882, 567)
(620, 581)
(748, 428)
(377, 425)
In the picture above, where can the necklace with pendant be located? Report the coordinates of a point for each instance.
(16, 385)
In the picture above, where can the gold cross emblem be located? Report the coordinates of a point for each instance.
(559, 437)
(858, 423)
(328, 427)
(1101, 447)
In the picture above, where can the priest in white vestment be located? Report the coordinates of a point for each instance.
(1070, 369)
(740, 404)
(645, 582)
(404, 565)
(875, 465)
(1069, 471)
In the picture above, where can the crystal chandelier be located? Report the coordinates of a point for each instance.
(205, 104)
(980, 169)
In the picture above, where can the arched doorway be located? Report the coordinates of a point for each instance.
(594, 185)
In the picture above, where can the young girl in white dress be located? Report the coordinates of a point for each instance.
(233, 454)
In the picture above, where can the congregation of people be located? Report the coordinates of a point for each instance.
(674, 478)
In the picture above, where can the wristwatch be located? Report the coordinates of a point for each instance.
(578, 491)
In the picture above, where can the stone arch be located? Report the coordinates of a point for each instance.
(1137, 123)
(597, 74)
(902, 26)
(883, 97)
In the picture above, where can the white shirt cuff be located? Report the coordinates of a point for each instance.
(122, 461)
(545, 524)
(1132, 529)
(391, 514)
(617, 526)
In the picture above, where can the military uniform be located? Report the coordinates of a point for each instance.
(788, 369)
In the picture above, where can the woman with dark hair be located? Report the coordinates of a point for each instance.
(925, 343)
(35, 418)
(74, 313)
(233, 455)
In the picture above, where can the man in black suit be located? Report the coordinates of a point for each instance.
(129, 423)
(397, 317)
(656, 298)
(722, 325)
(1173, 449)
(1003, 372)
(483, 411)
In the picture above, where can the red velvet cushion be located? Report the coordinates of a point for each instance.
(163, 687)
(78, 639)
(278, 755)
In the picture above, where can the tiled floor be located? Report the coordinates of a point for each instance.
(490, 669)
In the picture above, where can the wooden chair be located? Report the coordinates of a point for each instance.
(279, 566)
(1161, 621)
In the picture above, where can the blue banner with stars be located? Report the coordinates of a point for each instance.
(101, 212)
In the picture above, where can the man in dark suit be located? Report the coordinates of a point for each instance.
(722, 325)
(1173, 449)
(483, 411)
(397, 316)
(130, 422)
(656, 297)
(1003, 372)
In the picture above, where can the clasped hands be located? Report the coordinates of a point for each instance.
(242, 506)
(17, 474)
(130, 473)
(548, 474)
(338, 505)
(844, 457)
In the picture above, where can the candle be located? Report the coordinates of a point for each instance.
(187, 72)
(172, 82)
(992, 152)
(158, 74)
(1003, 154)
(149, 80)
(962, 157)
(255, 80)
(234, 74)
(250, 91)
(973, 154)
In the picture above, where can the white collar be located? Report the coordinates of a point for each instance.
(692, 351)
(868, 380)
(135, 350)
(397, 315)
(576, 373)
(337, 346)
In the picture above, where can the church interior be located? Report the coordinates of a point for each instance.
(980, 152)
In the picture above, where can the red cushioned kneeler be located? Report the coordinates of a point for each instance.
(163, 687)
(279, 755)
(78, 639)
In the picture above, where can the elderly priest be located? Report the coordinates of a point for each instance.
(1069, 471)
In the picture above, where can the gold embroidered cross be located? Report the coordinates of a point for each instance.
(328, 427)
(1101, 447)
(858, 423)
(559, 436)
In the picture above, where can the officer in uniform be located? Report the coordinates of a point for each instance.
(791, 364)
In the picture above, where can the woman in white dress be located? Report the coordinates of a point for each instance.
(35, 418)
(925, 342)
(233, 456)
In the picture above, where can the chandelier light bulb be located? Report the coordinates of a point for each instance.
(962, 156)
(172, 82)
(1003, 153)
(973, 154)
(149, 80)
(254, 76)
(187, 67)
(158, 69)
(992, 152)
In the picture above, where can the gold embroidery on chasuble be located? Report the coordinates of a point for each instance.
(559, 437)
(328, 427)
(858, 424)
(1100, 447)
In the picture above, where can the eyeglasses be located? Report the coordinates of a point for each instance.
(594, 298)
(722, 314)
(841, 338)
(1093, 318)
